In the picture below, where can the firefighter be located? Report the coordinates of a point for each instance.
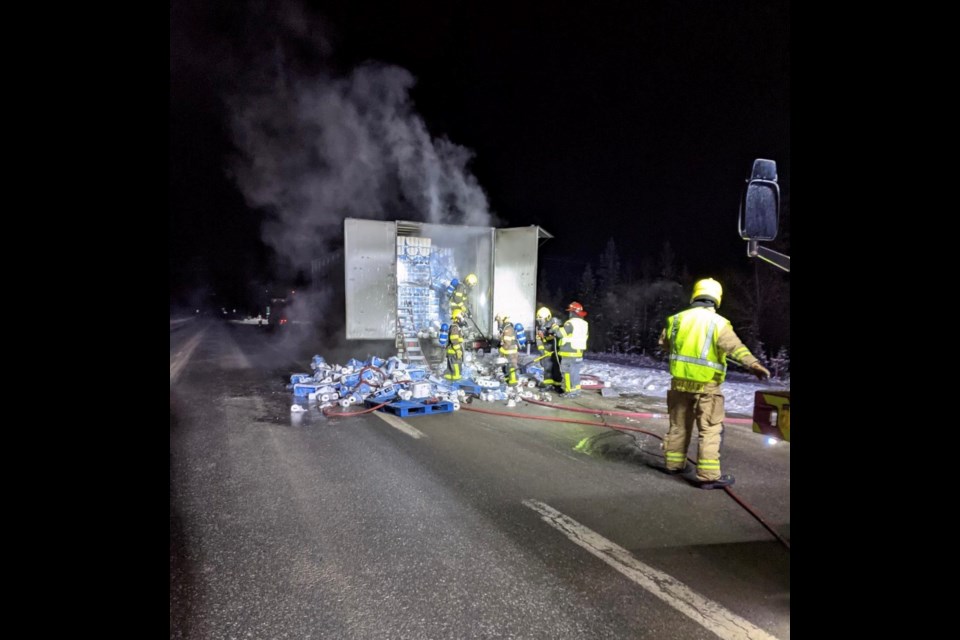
(547, 348)
(698, 341)
(454, 346)
(459, 299)
(508, 349)
(571, 339)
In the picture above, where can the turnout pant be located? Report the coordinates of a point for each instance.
(551, 370)
(510, 370)
(705, 410)
(453, 366)
(570, 370)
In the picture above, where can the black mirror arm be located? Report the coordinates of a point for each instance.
(754, 250)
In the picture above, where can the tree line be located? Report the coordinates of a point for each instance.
(628, 304)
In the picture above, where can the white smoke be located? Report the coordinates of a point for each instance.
(317, 150)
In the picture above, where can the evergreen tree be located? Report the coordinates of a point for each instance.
(587, 289)
(686, 280)
(647, 269)
(621, 309)
(758, 349)
(780, 364)
(608, 271)
(741, 303)
(543, 288)
(663, 298)
(668, 268)
(757, 301)
(558, 302)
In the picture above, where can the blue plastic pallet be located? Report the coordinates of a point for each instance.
(467, 385)
(406, 408)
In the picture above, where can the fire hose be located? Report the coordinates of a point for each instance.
(360, 381)
(622, 427)
(470, 318)
(614, 426)
(627, 414)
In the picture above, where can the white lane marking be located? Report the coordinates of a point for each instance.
(179, 360)
(708, 613)
(397, 423)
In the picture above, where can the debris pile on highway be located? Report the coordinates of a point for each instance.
(407, 387)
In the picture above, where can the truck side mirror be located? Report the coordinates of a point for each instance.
(760, 206)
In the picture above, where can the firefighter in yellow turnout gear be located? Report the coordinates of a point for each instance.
(508, 349)
(454, 347)
(459, 300)
(698, 341)
(547, 348)
(571, 340)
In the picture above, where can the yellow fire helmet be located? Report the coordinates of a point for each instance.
(543, 314)
(455, 314)
(471, 279)
(709, 288)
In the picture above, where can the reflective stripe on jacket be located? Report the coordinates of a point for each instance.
(573, 338)
(454, 347)
(546, 340)
(459, 298)
(693, 337)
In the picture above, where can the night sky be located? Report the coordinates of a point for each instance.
(632, 120)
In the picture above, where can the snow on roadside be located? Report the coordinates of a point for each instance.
(646, 377)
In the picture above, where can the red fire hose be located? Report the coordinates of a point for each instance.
(621, 427)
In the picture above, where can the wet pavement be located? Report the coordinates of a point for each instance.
(288, 525)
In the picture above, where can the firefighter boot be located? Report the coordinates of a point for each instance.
(725, 480)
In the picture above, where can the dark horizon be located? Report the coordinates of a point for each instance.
(637, 122)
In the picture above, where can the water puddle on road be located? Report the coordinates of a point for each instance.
(641, 403)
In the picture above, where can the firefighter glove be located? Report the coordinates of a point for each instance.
(760, 371)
